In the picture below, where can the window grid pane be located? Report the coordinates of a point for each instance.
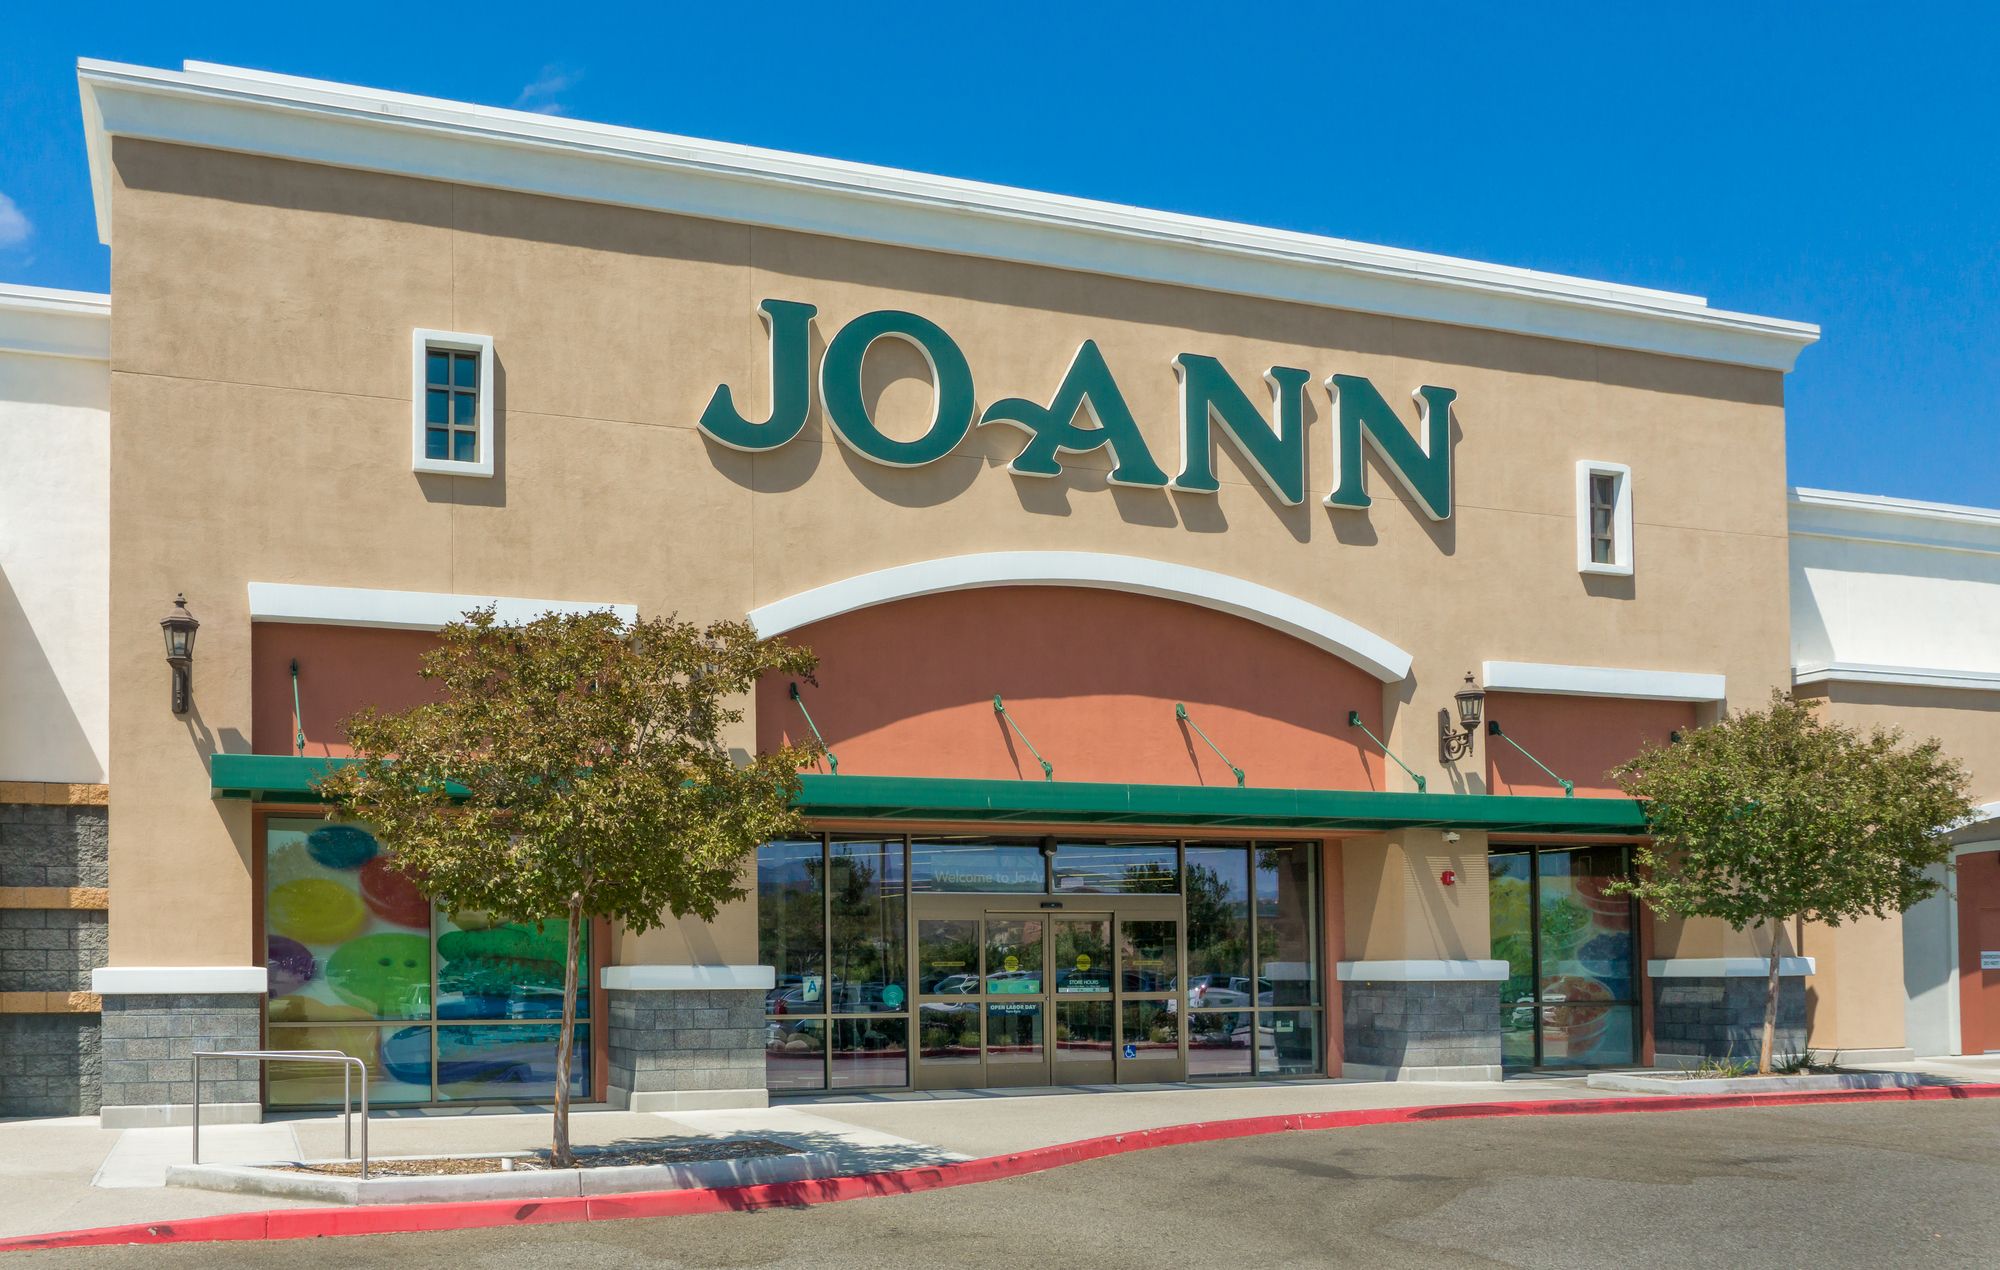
(451, 405)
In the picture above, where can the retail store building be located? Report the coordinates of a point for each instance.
(1146, 558)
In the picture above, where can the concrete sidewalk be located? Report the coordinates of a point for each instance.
(68, 1174)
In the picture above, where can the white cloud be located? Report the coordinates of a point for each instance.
(15, 227)
(540, 96)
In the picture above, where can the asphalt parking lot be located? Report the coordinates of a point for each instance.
(1836, 1185)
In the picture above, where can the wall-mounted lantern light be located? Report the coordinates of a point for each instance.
(179, 625)
(1453, 746)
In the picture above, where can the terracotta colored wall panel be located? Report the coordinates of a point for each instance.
(1582, 738)
(341, 669)
(1092, 677)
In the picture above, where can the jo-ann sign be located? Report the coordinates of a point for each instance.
(1210, 402)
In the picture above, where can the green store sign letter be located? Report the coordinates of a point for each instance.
(1273, 445)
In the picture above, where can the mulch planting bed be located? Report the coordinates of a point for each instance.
(586, 1158)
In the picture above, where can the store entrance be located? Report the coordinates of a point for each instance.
(1018, 992)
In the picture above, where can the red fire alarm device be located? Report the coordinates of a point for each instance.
(1448, 877)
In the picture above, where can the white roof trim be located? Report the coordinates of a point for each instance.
(400, 610)
(1602, 681)
(1261, 604)
(51, 323)
(1900, 522)
(1816, 672)
(314, 121)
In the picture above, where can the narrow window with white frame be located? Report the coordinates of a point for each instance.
(452, 403)
(1603, 518)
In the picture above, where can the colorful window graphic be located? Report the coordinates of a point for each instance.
(454, 1007)
(1571, 949)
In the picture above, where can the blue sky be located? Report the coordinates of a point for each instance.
(1828, 163)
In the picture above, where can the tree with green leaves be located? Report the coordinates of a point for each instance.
(574, 767)
(1777, 815)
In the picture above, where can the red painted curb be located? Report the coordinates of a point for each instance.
(387, 1219)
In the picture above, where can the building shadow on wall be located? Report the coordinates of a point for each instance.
(40, 736)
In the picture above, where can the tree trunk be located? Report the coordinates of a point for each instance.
(1770, 1003)
(566, 1042)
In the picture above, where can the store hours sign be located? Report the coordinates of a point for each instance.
(1272, 440)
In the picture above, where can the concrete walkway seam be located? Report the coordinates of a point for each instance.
(386, 1219)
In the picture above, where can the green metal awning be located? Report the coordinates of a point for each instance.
(284, 778)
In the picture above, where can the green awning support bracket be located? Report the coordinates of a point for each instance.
(1493, 729)
(1180, 712)
(1000, 708)
(1354, 721)
(298, 715)
(832, 762)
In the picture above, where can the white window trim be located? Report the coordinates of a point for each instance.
(420, 342)
(1621, 519)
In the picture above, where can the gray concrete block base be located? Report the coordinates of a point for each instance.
(1449, 1029)
(685, 1049)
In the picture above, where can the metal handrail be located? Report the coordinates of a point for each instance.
(348, 1064)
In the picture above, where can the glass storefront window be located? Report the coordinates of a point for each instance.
(1571, 950)
(1083, 954)
(1148, 956)
(947, 957)
(1218, 925)
(503, 970)
(1152, 1028)
(1135, 868)
(870, 1053)
(1083, 1030)
(1013, 1035)
(1288, 1043)
(1001, 992)
(1287, 917)
(360, 961)
(791, 925)
(869, 963)
(488, 1062)
(794, 1053)
(1013, 956)
(1218, 1044)
(977, 865)
(949, 1033)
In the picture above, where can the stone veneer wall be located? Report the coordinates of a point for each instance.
(1724, 1017)
(149, 1043)
(1412, 1029)
(686, 1049)
(53, 933)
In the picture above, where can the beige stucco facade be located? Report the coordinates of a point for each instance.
(260, 432)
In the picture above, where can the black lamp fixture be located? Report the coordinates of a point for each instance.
(179, 626)
(1453, 746)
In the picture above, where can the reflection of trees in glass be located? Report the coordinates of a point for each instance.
(1218, 923)
(867, 927)
(1285, 919)
(948, 950)
(1148, 878)
(790, 917)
